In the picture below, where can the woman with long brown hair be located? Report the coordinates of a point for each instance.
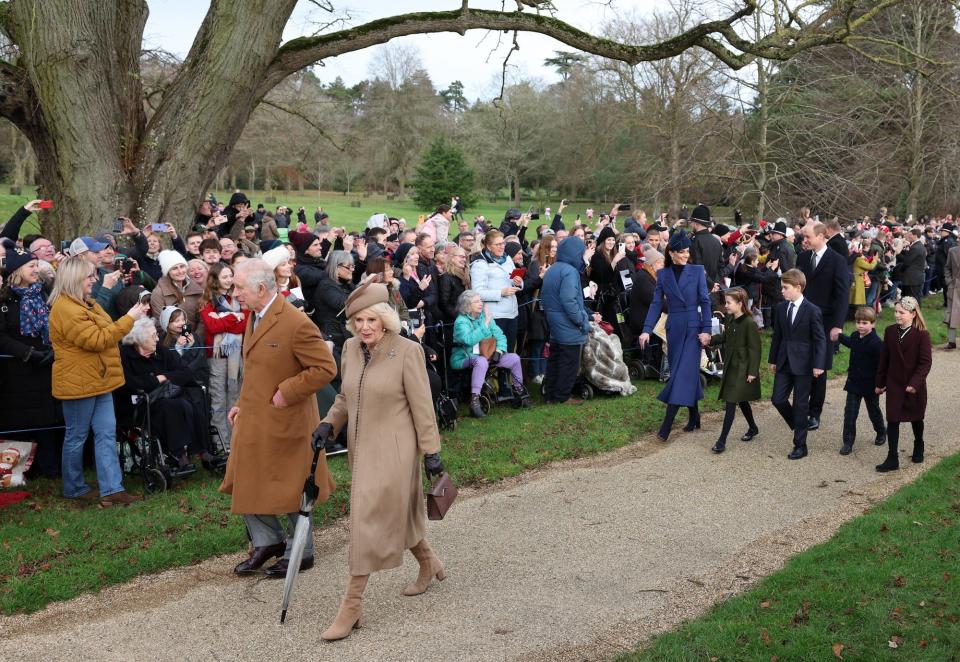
(605, 267)
(225, 323)
(537, 331)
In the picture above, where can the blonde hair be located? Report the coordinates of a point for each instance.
(388, 317)
(911, 305)
(71, 275)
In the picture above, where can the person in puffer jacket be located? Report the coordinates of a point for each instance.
(491, 276)
(561, 298)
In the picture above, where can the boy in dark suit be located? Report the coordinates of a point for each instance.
(797, 356)
(865, 347)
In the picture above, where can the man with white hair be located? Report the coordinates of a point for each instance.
(285, 363)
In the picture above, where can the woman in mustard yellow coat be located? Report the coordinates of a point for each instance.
(861, 267)
(86, 370)
(386, 403)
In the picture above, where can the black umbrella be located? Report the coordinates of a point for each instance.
(307, 501)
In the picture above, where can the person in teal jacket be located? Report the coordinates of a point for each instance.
(474, 324)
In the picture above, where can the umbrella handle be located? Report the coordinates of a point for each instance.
(310, 489)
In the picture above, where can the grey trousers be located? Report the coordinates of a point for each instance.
(268, 530)
(222, 397)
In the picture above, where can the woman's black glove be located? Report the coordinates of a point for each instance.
(40, 357)
(432, 464)
(323, 432)
(495, 357)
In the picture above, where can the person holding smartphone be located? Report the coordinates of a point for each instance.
(148, 243)
(606, 264)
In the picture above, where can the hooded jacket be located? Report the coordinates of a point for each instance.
(561, 295)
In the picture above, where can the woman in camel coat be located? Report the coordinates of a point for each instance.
(386, 404)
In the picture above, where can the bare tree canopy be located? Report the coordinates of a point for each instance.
(72, 82)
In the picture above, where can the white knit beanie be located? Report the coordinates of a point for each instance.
(169, 259)
(276, 256)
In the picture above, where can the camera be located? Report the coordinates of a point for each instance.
(64, 245)
(186, 330)
(535, 216)
(117, 225)
(123, 263)
(415, 318)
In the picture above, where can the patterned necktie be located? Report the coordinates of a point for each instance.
(813, 262)
(790, 313)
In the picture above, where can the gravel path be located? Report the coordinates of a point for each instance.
(577, 561)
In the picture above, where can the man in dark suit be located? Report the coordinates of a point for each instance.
(828, 288)
(835, 238)
(912, 263)
(706, 249)
(797, 356)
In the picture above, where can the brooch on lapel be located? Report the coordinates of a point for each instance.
(392, 354)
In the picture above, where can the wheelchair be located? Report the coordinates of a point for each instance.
(497, 388)
(140, 452)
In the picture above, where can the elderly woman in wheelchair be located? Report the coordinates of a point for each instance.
(178, 420)
(478, 345)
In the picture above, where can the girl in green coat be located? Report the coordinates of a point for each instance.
(741, 370)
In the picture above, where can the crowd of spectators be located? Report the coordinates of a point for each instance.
(142, 309)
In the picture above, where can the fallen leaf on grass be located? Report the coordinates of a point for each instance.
(765, 636)
(899, 581)
(883, 528)
(922, 643)
(837, 649)
(765, 604)
(53, 533)
(895, 641)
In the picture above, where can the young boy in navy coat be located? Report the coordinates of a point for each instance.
(865, 347)
(798, 354)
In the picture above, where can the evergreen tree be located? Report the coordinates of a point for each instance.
(442, 174)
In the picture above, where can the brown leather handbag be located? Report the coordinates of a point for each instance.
(487, 347)
(441, 496)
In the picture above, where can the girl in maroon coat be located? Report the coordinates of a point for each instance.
(905, 362)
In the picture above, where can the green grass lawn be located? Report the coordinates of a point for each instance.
(54, 550)
(885, 587)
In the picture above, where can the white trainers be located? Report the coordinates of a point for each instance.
(537, 379)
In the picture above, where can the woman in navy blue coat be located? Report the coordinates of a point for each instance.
(688, 329)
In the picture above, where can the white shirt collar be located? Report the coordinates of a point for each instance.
(267, 307)
(820, 252)
(796, 304)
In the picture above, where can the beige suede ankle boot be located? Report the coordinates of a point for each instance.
(430, 567)
(348, 616)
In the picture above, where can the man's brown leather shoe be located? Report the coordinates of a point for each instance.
(279, 569)
(118, 499)
(258, 557)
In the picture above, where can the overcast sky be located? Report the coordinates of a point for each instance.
(447, 57)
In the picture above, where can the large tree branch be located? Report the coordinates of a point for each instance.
(299, 53)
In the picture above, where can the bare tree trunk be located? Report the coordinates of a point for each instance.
(674, 165)
(763, 143)
(253, 173)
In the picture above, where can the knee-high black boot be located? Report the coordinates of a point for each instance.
(671, 414)
(893, 441)
(693, 423)
(917, 455)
